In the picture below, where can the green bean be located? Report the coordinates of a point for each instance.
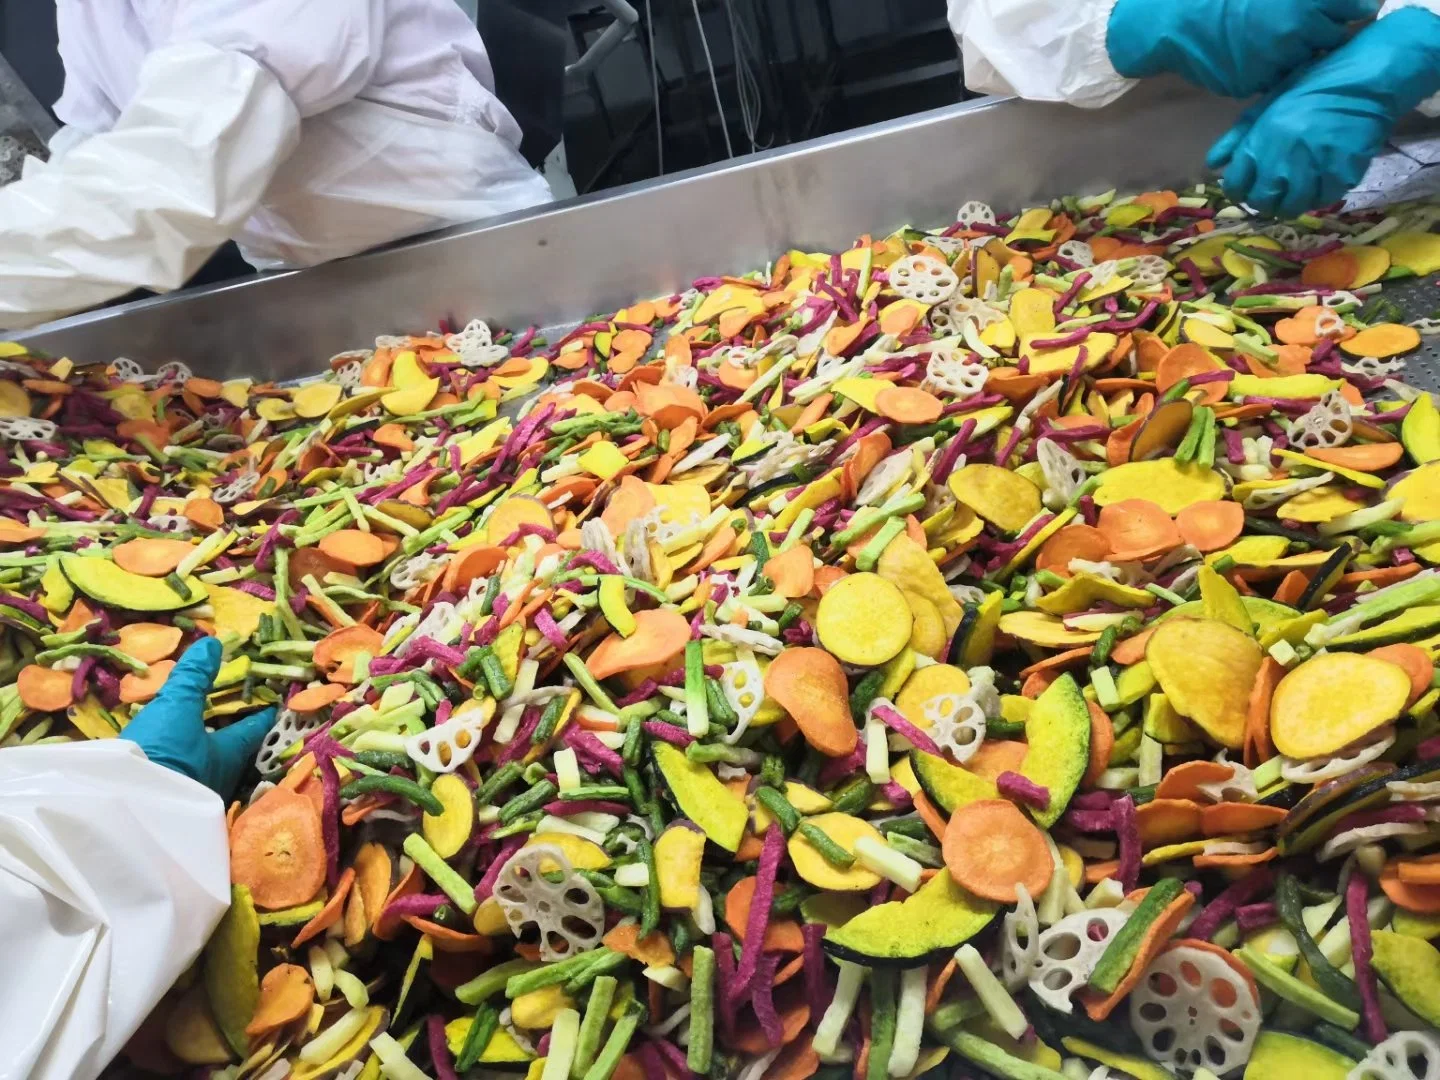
(779, 808)
(394, 785)
(615, 1046)
(384, 760)
(635, 787)
(866, 691)
(650, 916)
(482, 1030)
(527, 801)
(597, 1013)
(499, 683)
(1176, 392)
(854, 797)
(719, 704)
(630, 752)
(451, 883)
(1100, 652)
(772, 772)
(1331, 980)
(923, 853)
(554, 974)
(697, 706)
(789, 616)
(829, 849)
(882, 1023)
(706, 753)
(588, 684)
(912, 827)
(506, 775)
(586, 975)
(549, 720)
(597, 791)
(702, 1010)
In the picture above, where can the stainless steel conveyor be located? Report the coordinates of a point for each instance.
(558, 265)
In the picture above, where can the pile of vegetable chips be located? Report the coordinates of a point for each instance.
(1005, 648)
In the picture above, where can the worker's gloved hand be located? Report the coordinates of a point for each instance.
(171, 729)
(1313, 140)
(1231, 47)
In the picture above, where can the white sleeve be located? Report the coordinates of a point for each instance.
(1042, 50)
(113, 873)
(144, 204)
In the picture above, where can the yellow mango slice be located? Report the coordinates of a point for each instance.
(1001, 497)
(1332, 700)
(1206, 668)
(1170, 486)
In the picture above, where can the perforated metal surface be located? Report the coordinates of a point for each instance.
(1420, 298)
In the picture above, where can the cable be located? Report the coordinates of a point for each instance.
(714, 82)
(655, 86)
(747, 83)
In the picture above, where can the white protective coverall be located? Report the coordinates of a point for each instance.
(1052, 50)
(304, 129)
(113, 873)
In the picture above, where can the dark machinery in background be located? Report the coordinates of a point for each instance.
(720, 78)
(641, 88)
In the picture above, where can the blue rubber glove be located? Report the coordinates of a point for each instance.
(1235, 48)
(171, 729)
(1313, 141)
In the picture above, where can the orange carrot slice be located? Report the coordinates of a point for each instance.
(137, 688)
(473, 563)
(991, 847)
(1415, 662)
(781, 935)
(1362, 457)
(1168, 821)
(276, 850)
(654, 949)
(354, 546)
(316, 697)
(1333, 271)
(1415, 872)
(810, 685)
(1102, 744)
(151, 558)
(1259, 747)
(1186, 360)
(44, 689)
(335, 652)
(1183, 781)
(908, 405)
(1072, 542)
(150, 642)
(1211, 524)
(1239, 817)
(331, 913)
(1137, 529)
(751, 1039)
(12, 532)
(996, 756)
(1421, 899)
(286, 994)
(792, 572)
(659, 637)
(1132, 649)
(204, 514)
(1292, 587)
